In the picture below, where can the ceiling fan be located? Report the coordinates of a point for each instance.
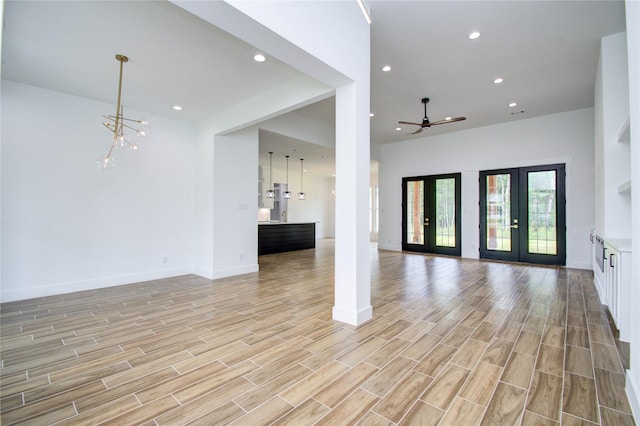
(427, 123)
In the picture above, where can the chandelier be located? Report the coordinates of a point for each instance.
(118, 123)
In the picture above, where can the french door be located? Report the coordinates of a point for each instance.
(522, 214)
(431, 214)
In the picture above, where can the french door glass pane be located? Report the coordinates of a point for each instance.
(543, 235)
(446, 212)
(415, 212)
(499, 212)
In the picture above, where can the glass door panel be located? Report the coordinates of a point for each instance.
(541, 215)
(498, 210)
(535, 194)
(445, 206)
(415, 212)
(544, 232)
(431, 214)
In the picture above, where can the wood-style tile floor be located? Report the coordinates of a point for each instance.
(452, 342)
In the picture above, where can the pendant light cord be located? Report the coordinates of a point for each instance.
(287, 173)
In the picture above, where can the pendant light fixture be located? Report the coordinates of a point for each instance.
(270, 192)
(301, 194)
(287, 193)
(117, 124)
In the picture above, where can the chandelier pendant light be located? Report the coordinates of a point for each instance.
(301, 194)
(118, 123)
(270, 192)
(287, 193)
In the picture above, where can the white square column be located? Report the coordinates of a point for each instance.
(352, 303)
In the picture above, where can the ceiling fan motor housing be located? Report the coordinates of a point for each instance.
(425, 120)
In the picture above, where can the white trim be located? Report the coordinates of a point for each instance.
(237, 270)
(203, 272)
(632, 395)
(579, 265)
(92, 284)
(390, 247)
(345, 315)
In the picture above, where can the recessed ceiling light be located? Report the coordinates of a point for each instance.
(386, 68)
(398, 128)
(371, 114)
(498, 80)
(177, 107)
(448, 118)
(474, 35)
(512, 104)
(259, 58)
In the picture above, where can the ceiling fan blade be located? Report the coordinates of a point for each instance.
(453, 120)
(410, 122)
(417, 131)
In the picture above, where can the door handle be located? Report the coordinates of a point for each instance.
(426, 221)
(515, 226)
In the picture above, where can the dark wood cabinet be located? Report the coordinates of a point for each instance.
(281, 237)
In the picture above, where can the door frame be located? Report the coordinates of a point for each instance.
(429, 195)
(520, 204)
(485, 253)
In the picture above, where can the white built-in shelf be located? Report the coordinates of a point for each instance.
(624, 135)
(625, 188)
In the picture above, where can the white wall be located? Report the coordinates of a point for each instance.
(1, 32)
(317, 207)
(633, 47)
(303, 128)
(374, 182)
(235, 180)
(67, 226)
(263, 106)
(611, 103)
(559, 138)
(340, 59)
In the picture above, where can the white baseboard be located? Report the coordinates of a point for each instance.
(597, 280)
(631, 389)
(579, 265)
(230, 272)
(92, 284)
(390, 247)
(202, 272)
(352, 317)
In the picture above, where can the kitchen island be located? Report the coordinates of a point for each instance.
(278, 237)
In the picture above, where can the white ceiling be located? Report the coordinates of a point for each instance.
(174, 57)
(546, 51)
(318, 159)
